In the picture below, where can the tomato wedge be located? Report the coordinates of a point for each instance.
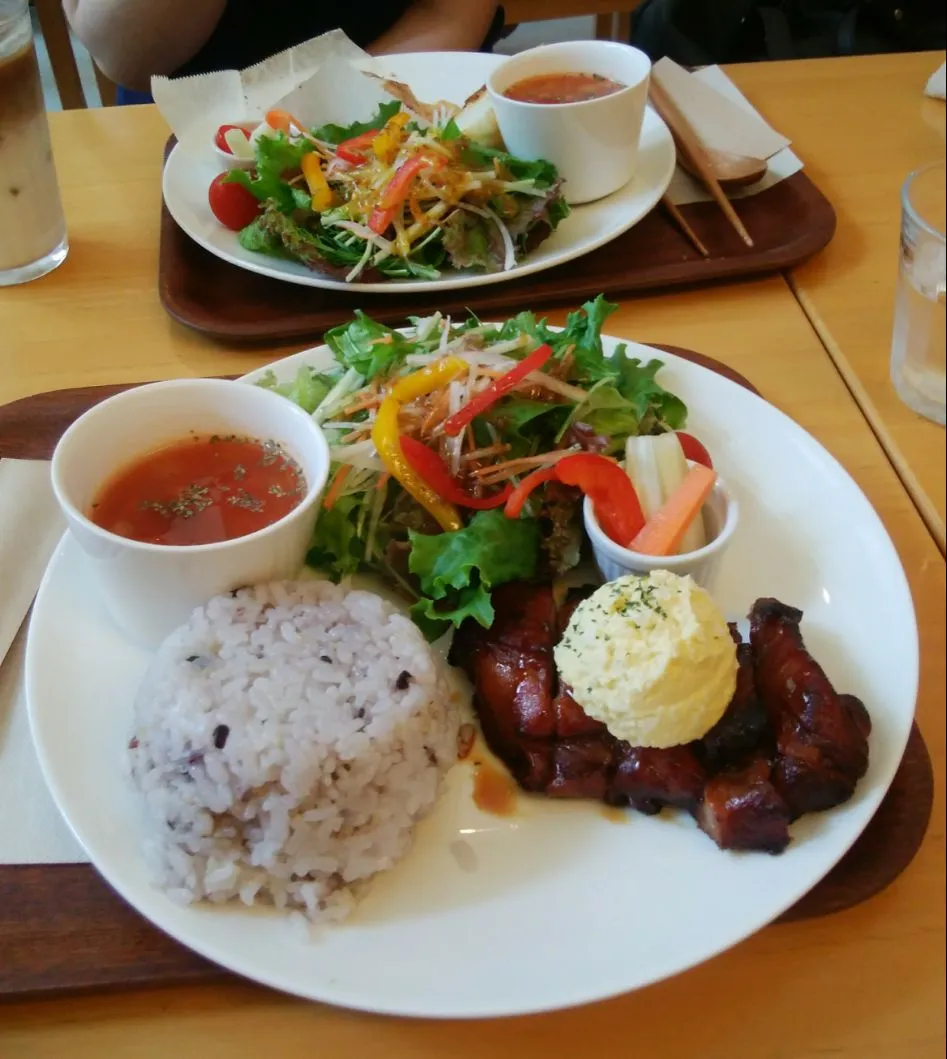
(454, 424)
(694, 450)
(608, 486)
(429, 465)
(220, 137)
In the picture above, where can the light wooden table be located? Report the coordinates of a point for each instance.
(861, 125)
(864, 984)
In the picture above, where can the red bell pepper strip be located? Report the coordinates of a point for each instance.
(608, 486)
(519, 496)
(429, 465)
(694, 450)
(356, 149)
(454, 424)
(379, 220)
(396, 190)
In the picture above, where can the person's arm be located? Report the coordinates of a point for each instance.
(132, 39)
(438, 25)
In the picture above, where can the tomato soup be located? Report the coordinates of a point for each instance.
(200, 490)
(562, 88)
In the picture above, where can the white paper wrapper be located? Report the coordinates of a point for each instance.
(318, 81)
(725, 120)
(937, 83)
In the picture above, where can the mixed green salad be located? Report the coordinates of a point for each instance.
(445, 441)
(392, 197)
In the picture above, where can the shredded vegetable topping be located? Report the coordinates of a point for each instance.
(432, 429)
(398, 197)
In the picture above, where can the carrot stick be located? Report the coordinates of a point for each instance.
(282, 119)
(515, 466)
(338, 484)
(367, 400)
(663, 533)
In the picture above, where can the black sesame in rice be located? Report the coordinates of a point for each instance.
(220, 736)
(403, 681)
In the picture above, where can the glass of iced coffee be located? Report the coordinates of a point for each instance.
(32, 226)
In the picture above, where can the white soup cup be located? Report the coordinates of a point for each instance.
(149, 589)
(593, 143)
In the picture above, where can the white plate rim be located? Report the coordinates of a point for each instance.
(871, 797)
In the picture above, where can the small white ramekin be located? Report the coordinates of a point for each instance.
(593, 143)
(150, 589)
(226, 158)
(721, 515)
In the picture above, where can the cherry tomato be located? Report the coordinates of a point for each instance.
(232, 204)
(694, 450)
(220, 138)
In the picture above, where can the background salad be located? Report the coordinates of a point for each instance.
(391, 197)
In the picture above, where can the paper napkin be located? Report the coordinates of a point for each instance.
(31, 829)
(726, 121)
(330, 66)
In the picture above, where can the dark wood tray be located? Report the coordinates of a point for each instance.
(63, 928)
(789, 222)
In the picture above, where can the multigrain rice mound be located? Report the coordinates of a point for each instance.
(287, 740)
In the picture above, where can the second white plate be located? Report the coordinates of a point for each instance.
(433, 75)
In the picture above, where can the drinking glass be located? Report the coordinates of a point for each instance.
(917, 348)
(32, 226)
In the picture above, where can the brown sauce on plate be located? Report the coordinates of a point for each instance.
(494, 789)
(202, 489)
(615, 814)
(562, 88)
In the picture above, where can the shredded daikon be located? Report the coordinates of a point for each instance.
(508, 247)
(354, 273)
(551, 383)
(349, 382)
(454, 404)
(360, 230)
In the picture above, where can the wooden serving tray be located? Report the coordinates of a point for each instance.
(63, 928)
(789, 222)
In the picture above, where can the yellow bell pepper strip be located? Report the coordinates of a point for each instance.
(386, 436)
(316, 181)
(422, 382)
(385, 145)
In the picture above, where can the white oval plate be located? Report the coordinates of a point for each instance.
(556, 905)
(433, 75)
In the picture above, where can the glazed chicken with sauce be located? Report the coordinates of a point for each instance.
(787, 744)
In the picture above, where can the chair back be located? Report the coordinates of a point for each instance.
(62, 58)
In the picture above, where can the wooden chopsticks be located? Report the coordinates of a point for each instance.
(689, 145)
(681, 222)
